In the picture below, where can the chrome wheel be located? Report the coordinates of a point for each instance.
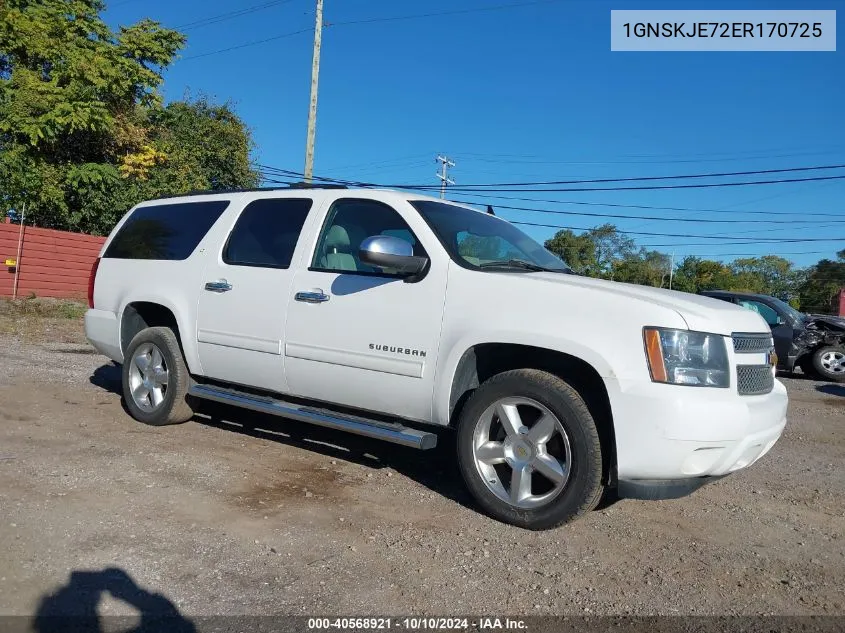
(148, 377)
(833, 361)
(522, 452)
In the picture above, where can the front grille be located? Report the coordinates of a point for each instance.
(752, 343)
(754, 380)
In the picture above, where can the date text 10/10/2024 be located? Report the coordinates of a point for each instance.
(416, 624)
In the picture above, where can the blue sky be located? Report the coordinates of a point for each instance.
(527, 94)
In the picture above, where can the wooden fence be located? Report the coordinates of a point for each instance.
(51, 264)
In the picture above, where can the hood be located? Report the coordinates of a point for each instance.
(704, 314)
(832, 322)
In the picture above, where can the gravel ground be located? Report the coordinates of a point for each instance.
(241, 514)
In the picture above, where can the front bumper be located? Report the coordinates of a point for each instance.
(658, 489)
(671, 438)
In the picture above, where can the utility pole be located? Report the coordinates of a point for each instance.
(445, 163)
(312, 110)
(18, 258)
(671, 269)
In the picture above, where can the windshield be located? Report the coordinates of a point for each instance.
(477, 240)
(789, 310)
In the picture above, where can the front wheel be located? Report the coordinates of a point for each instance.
(829, 363)
(529, 450)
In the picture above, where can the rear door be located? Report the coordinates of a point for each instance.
(245, 290)
(359, 337)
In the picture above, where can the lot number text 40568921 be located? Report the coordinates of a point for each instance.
(416, 624)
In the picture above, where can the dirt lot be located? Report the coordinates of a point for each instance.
(236, 513)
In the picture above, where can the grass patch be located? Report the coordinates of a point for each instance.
(43, 319)
(42, 307)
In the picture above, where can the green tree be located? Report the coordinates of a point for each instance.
(822, 285)
(83, 131)
(578, 251)
(645, 267)
(611, 245)
(693, 274)
(769, 274)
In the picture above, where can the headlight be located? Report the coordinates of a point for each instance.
(681, 357)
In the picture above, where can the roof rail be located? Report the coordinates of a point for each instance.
(293, 185)
(311, 185)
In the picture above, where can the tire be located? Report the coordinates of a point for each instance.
(829, 363)
(157, 401)
(490, 451)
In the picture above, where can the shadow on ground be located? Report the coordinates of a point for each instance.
(73, 607)
(108, 377)
(436, 469)
(832, 390)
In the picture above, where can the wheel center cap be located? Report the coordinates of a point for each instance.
(518, 451)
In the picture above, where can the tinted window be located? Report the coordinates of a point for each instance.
(350, 222)
(266, 233)
(165, 231)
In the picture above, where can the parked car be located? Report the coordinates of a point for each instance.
(813, 342)
(397, 316)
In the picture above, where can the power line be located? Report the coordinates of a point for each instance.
(374, 20)
(498, 7)
(239, 46)
(647, 188)
(650, 217)
(653, 207)
(733, 242)
(502, 161)
(581, 181)
(223, 17)
(613, 204)
(771, 240)
(463, 188)
(287, 173)
(687, 157)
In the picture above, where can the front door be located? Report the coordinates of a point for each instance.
(360, 337)
(782, 331)
(241, 312)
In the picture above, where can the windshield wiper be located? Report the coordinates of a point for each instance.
(519, 263)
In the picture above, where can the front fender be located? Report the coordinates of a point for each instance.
(448, 363)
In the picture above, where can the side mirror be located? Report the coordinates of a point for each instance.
(386, 251)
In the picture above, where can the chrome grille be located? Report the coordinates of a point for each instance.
(754, 380)
(752, 343)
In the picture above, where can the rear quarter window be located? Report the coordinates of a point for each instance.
(165, 231)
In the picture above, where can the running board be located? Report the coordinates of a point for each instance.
(389, 432)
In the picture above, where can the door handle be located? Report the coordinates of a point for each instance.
(218, 286)
(313, 296)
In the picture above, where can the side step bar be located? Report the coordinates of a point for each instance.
(395, 433)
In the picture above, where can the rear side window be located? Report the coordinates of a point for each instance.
(165, 231)
(266, 233)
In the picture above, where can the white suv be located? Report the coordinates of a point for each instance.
(394, 316)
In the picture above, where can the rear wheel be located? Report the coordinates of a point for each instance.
(829, 363)
(156, 379)
(529, 450)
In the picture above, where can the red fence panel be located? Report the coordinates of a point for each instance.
(51, 264)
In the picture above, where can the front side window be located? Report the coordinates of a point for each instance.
(768, 313)
(480, 240)
(165, 231)
(266, 233)
(349, 222)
